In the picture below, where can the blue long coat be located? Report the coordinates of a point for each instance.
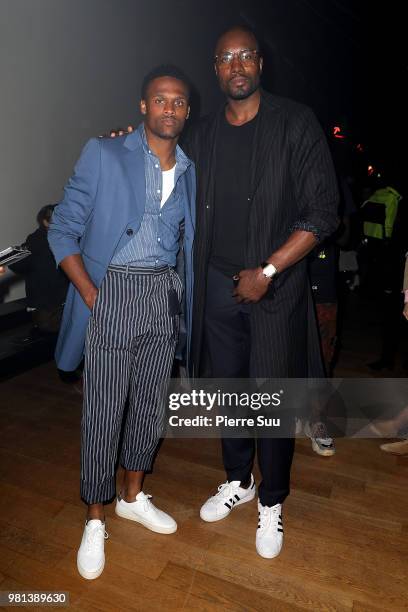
(104, 198)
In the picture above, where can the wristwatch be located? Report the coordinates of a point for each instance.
(268, 269)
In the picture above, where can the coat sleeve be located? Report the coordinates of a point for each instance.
(405, 282)
(314, 178)
(70, 216)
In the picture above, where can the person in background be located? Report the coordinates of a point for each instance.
(323, 269)
(401, 447)
(46, 285)
(388, 269)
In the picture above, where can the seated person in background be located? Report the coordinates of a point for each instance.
(46, 285)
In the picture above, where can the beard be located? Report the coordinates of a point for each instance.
(243, 91)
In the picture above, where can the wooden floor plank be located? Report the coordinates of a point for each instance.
(218, 592)
(346, 524)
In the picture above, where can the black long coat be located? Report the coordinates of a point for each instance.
(293, 186)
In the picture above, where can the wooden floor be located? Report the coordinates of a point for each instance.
(346, 521)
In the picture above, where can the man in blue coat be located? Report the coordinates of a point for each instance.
(116, 235)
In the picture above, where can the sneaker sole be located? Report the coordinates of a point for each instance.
(90, 575)
(268, 556)
(131, 517)
(327, 452)
(238, 503)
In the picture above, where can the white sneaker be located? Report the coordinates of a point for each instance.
(144, 512)
(230, 494)
(269, 535)
(91, 555)
(322, 443)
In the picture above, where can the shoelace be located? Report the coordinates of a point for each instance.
(268, 515)
(94, 537)
(224, 490)
(147, 503)
(319, 431)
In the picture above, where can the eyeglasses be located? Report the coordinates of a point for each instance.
(246, 56)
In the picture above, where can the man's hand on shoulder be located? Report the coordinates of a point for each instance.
(252, 286)
(118, 132)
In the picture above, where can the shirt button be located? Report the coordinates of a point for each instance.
(207, 206)
(158, 191)
(129, 232)
(158, 240)
(159, 214)
(249, 199)
(149, 151)
(156, 165)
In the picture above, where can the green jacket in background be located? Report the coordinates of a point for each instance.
(390, 198)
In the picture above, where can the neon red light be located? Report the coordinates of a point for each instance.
(337, 132)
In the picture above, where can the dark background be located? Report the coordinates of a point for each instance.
(71, 69)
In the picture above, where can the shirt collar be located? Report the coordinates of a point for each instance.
(182, 161)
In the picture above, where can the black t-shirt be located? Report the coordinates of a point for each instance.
(232, 192)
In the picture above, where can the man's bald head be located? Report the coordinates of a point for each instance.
(233, 33)
(238, 63)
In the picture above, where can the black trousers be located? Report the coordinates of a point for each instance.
(228, 341)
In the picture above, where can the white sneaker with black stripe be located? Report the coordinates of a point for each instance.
(269, 535)
(229, 495)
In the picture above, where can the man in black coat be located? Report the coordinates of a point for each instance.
(267, 194)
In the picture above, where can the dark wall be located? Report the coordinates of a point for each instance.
(72, 69)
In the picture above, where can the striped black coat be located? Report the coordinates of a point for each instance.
(292, 186)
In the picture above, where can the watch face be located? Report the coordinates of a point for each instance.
(269, 270)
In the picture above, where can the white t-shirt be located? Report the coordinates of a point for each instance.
(167, 183)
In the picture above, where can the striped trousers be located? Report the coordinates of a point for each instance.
(129, 351)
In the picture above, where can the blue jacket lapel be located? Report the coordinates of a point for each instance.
(135, 169)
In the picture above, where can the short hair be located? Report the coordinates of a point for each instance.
(45, 213)
(243, 28)
(165, 70)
